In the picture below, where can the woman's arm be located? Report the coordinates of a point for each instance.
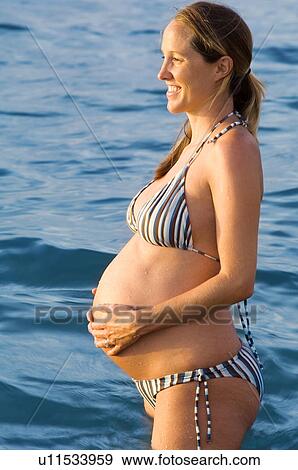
(235, 181)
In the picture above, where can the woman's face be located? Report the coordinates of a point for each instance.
(186, 70)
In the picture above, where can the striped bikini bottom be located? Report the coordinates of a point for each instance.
(244, 365)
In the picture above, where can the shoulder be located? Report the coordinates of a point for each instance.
(236, 155)
(238, 147)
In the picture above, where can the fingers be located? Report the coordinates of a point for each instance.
(89, 315)
(94, 290)
(95, 329)
(97, 333)
(100, 337)
(120, 347)
(114, 350)
(100, 343)
(97, 326)
(90, 329)
(101, 317)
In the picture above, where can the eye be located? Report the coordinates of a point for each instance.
(173, 58)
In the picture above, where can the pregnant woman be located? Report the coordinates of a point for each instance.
(162, 310)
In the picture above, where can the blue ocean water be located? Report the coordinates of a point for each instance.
(81, 112)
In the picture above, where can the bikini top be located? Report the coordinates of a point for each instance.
(164, 219)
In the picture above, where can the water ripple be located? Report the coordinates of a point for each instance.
(12, 27)
(48, 114)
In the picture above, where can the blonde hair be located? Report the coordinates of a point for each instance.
(218, 30)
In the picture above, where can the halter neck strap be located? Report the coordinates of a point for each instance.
(212, 129)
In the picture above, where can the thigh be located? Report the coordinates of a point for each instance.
(234, 405)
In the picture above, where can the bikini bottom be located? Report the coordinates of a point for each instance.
(244, 365)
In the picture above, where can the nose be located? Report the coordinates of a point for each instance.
(164, 73)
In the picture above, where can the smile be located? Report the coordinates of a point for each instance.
(173, 90)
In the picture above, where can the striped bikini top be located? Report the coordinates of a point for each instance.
(164, 219)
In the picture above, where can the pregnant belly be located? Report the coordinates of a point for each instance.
(177, 348)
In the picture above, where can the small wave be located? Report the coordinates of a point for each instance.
(280, 233)
(269, 129)
(284, 192)
(109, 200)
(284, 55)
(4, 172)
(44, 162)
(125, 108)
(286, 204)
(27, 114)
(278, 278)
(31, 262)
(138, 32)
(150, 92)
(12, 27)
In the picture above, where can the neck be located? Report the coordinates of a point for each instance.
(202, 122)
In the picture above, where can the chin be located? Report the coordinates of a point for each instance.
(175, 109)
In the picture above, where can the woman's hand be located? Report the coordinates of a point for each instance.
(114, 326)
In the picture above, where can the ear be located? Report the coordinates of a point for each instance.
(223, 67)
